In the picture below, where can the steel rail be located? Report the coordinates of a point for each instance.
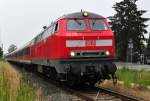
(124, 97)
(99, 90)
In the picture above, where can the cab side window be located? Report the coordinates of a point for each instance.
(55, 27)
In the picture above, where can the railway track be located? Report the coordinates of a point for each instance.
(104, 94)
(90, 93)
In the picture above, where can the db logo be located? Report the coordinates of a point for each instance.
(90, 42)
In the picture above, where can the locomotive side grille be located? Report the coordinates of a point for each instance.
(90, 69)
(90, 53)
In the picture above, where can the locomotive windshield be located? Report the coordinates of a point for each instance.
(98, 25)
(76, 24)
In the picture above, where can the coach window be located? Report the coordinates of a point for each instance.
(44, 34)
(27, 51)
(35, 40)
(32, 41)
(39, 38)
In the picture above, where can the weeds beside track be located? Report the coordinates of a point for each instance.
(129, 76)
(13, 86)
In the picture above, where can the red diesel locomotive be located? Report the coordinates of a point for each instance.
(78, 48)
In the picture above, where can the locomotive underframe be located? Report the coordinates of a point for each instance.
(83, 70)
(78, 70)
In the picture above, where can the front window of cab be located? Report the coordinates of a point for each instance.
(98, 25)
(76, 24)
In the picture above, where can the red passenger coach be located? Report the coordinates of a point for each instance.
(78, 48)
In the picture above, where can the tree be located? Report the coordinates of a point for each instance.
(148, 43)
(127, 24)
(12, 48)
(1, 52)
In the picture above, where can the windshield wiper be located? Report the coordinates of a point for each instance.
(93, 23)
(79, 23)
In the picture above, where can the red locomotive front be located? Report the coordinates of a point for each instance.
(86, 48)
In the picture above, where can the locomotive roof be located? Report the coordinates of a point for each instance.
(80, 15)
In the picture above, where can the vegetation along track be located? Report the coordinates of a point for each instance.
(90, 93)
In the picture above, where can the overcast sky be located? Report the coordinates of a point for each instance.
(21, 20)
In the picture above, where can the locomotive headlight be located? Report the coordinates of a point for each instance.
(72, 54)
(107, 53)
(85, 14)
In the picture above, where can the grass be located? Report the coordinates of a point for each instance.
(131, 82)
(142, 78)
(14, 87)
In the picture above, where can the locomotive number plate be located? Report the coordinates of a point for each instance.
(90, 42)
